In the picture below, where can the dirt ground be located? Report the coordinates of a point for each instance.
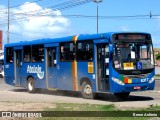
(24, 106)
(18, 99)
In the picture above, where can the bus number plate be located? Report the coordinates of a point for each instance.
(137, 88)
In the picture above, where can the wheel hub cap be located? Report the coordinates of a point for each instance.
(88, 90)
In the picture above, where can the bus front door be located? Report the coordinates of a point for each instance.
(17, 66)
(103, 67)
(51, 64)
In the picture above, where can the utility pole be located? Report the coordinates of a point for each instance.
(8, 21)
(150, 14)
(97, 1)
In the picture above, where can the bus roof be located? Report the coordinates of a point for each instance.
(66, 39)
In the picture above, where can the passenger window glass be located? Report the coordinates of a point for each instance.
(84, 51)
(67, 51)
(37, 53)
(9, 55)
(27, 53)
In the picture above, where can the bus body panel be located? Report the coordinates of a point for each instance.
(86, 70)
(36, 71)
(116, 88)
(9, 74)
(69, 75)
(137, 84)
(64, 76)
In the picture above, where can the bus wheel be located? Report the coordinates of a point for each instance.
(122, 96)
(30, 85)
(86, 91)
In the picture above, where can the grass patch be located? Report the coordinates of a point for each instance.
(91, 107)
(157, 76)
(153, 108)
(81, 107)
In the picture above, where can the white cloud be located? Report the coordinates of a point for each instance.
(31, 21)
(125, 28)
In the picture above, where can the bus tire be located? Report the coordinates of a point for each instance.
(86, 90)
(30, 85)
(122, 96)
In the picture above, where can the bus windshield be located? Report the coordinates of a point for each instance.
(133, 56)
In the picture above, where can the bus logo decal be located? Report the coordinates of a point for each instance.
(37, 70)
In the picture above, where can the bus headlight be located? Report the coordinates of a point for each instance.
(151, 80)
(117, 81)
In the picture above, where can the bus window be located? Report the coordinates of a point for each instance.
(67, 51)
(27, 54)
(37, 53)
(84, 50)
(9, 55)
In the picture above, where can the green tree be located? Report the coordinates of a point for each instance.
(158, 56)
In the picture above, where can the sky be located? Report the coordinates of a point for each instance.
(37, 19)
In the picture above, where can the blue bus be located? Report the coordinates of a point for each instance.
(115, 62)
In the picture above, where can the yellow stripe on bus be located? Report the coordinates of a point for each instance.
(74, 69)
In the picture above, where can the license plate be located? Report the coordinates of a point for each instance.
(137, 88)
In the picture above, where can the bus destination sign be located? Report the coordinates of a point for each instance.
(131, 37)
